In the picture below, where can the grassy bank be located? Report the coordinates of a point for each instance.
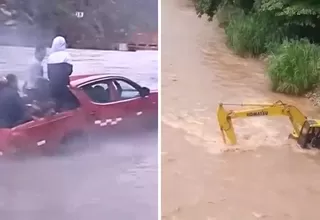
(287, 32)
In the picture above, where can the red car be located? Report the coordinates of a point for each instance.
(106, 102)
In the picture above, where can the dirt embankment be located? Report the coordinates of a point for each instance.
(268, 177)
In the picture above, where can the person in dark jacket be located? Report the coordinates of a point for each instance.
(3, 83)
(12, 107)
(43, 98)
(59, 70)
(12, 81)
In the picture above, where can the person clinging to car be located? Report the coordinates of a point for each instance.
(59, 70)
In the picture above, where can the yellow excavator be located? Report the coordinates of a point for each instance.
(305, 131)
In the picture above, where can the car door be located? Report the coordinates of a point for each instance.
(46, 133)
(33, 135)
(135, 101)
(105, 115)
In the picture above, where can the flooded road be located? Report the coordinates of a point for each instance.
(268, 177)
(115, 180)
(141, 66)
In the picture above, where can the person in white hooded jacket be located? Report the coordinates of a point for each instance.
(59, 69)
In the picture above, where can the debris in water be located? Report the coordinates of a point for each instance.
(236, 150)
(164, 153)
(258, 215)
(314, 96)
(173, 78)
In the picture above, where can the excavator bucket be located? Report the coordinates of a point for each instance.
(226, 126)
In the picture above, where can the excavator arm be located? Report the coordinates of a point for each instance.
(278, 108)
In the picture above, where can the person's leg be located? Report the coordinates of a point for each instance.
(69, 101)
(56, 93)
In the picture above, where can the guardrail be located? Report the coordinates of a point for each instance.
(142, 46)
(135, 47)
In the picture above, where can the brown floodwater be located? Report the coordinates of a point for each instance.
(268, 176)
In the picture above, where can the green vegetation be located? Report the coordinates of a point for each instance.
(294, 67)
(251, 34)
(226, 12)
(278, 28)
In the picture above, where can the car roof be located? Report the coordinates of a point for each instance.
(77, 80)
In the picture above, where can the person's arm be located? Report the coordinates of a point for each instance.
(24, 87)
(36, 70)
(20, 105)
(69, 62)
(70, 69)
(39, 70)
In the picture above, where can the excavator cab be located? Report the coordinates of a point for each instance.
(309, 135)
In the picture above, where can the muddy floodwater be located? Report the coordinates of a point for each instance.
(114, 180)
(265, 176)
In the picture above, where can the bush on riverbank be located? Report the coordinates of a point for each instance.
(226, 13)
(251, 34)
(293, 65)
(293, 68)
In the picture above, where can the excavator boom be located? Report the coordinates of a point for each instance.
(278, 108)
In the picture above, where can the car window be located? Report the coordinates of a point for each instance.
(98, 92)
(125, 90)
